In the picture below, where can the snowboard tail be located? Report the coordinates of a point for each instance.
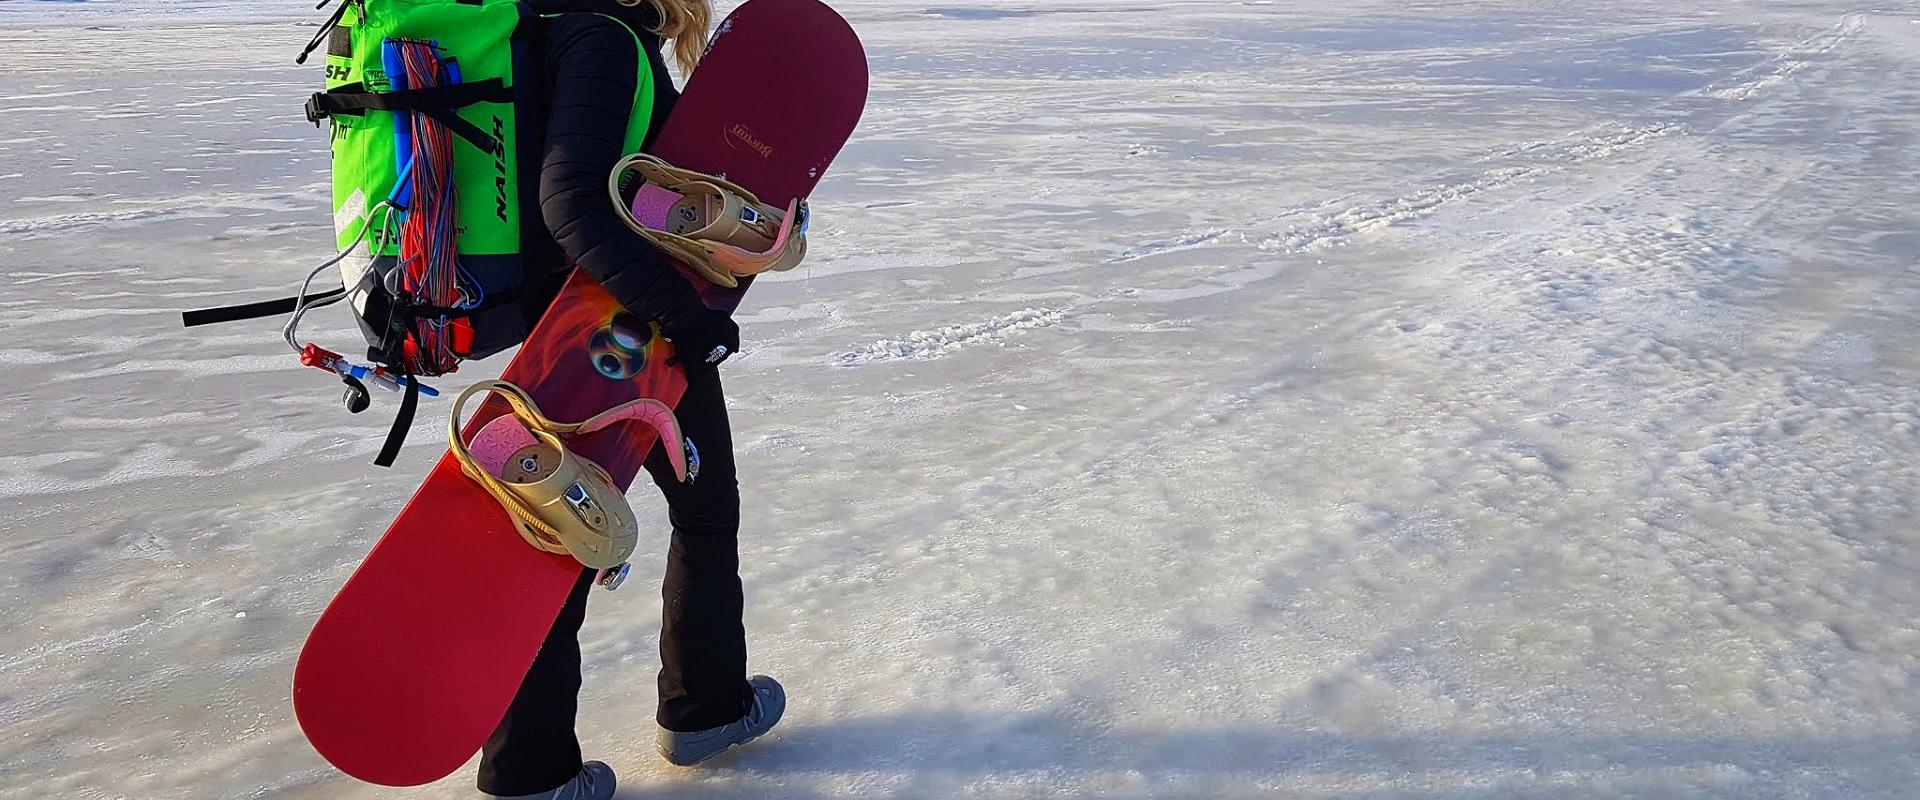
(415, 661)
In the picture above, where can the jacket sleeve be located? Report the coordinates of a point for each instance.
(590, 65)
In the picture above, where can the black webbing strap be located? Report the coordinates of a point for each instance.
(392, 353)
(395, 355)
(344, 100)
(402, 419)
(286, 305)
(437, 102)
(264, 308)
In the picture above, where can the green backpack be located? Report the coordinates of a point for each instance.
(432, 187)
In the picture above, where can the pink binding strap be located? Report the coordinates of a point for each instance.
(493, 447)
(741, 261)
(653, 414)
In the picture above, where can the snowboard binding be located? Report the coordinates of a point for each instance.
(560, 502)
(707, 222)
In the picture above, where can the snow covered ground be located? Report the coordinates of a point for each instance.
(1183, 399)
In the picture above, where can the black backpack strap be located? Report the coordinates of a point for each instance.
(286, 305)
(264, 308)
(353, 98)
(437, 102)
(402, 420)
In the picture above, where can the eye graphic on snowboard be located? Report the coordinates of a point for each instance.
(619, 350)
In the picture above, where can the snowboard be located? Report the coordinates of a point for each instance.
(414, 662)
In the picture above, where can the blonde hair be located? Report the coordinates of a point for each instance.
(683, 21)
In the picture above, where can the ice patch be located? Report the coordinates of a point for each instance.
(923, 345)
(1187, 242)
(102, 641)
(28, 109)
(193, 367)
(206, 206)
(976, 13)
(797, 313)
(32, 318)
(35, 227)
(48, 95)
(1323, 229)
(24, 358)
(1775, 71)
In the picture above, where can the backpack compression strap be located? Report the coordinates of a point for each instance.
(437, 102)
(286, 305)
(264, 308)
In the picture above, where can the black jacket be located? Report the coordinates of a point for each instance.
(588, 65)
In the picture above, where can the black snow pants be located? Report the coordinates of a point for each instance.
(703, 643)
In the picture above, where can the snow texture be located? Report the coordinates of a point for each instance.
(1182, 398)
(921, 345)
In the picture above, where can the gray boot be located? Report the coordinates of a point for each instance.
(595, 782)
(688, 749)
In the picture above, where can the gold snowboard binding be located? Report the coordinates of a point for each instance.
(560, 502)
(708, 223)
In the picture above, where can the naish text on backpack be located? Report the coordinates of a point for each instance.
(431, 187)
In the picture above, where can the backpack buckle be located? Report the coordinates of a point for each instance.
(315, 110)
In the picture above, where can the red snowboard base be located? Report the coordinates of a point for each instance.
(413, 664)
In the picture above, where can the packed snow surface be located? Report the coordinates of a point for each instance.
(1182, 399)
